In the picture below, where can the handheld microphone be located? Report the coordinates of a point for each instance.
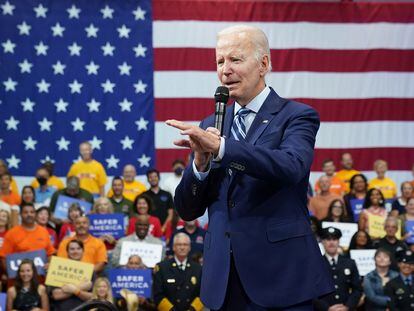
(221, 96)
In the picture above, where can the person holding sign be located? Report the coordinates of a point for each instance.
(348, 289)
(27, 294)
(103, 206)
(102, 290)
(373, 215)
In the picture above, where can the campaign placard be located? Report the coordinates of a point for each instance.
(67, 271)
(409, 228)
(3, 298)
(376, 227)
(348, 230)
(107, 224)
(13, 261)
(151, 254)
(356, 206)
(137, 281)
(64, 202)
(364, 259)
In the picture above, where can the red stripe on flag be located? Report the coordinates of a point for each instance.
(267, 11)
(294, 60)
(376, 109)
(397, 158)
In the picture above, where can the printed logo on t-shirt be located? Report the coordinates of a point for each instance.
(164, 198)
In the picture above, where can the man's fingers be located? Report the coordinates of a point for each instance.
(213, 130)
(178, 124)
(182, 143)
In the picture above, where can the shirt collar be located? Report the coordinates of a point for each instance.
(404, 278)
(180, 262)
(256, 103)
(330, 258)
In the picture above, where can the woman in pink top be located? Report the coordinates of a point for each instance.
(143, 205)
(373, 205)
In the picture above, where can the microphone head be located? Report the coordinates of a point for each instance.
(222, 94)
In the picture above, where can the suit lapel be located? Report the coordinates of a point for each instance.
(228, 120)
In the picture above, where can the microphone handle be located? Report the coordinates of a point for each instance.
(219, 114)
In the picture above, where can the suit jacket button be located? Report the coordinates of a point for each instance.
(227, 234)
(231, 203)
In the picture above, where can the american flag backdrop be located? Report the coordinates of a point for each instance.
(152, 61)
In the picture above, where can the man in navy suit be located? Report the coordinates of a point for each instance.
(259, 250)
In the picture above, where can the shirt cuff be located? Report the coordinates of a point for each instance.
(200, 175)
(222, 149)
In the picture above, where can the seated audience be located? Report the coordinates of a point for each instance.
(6, 193)
(360, 240)
(196, 235)
(44, 192)
(68, 227)
(28, 195)
(102, 290)
(94, 250)
(4, 169)
(390, 242)
(121, 204)
(70, 296)
(337, 212)
(42, 219)
(144, 205)
(52, 181)
(4, 224)
(373, 205)
(337, 186)
(400, 290)
(386, 185)
(398, 206)
(172, 181)
(408, 216)
(347, 171)
(319, 204)
(26, 237)
(141, 234)
(374, 282)
(166, 295)
(103, 206)
(27, 294)
(358, 190)
(132, 187)
(135, 262)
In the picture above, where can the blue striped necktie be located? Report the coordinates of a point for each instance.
(238, 128)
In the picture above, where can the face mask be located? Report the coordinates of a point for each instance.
(42, 180)
(178, 171)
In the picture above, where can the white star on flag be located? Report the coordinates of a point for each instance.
(140, 50)
(41, 48)
(93, 105)
(139, 14)
(57, 30)
(144, 161)
(79, 158)
(92, 68)
(77, 125)
(110, 124)
(29, 143)
(7, 8)
(73, 12)
(96, 143)
(124, 69)
(75, 87)
(127, 143)
(141, 124)
(125, 105)
(107, 12)
(43, 86)
(40, 11)
(112, 161)
(108, 49)
(25, 66)
(58, 68)
(74, 49)
(123, 31)
(28, 105)
(47, 159)
(140, 87)
(63, 144)
(12, 123)
(13, 162)
(8, 46)
(108, 86)
(45, 125)
(10, 85)
(1, 141)
(92, 31)
(61, 105)
(24, 29)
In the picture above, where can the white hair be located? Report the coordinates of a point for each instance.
(181, 235)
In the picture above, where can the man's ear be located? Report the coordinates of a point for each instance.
(264, 65)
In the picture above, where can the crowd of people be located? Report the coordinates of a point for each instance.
(29, 222)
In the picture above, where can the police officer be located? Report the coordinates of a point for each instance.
(401, 289)
(176, 283)
(348, 288)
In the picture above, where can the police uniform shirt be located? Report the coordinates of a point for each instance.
(401, 294)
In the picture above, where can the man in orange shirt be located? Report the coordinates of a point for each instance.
(95, 250)
(347, 171)
(338, 187)
(6, 194)
(27, 237)
(319, 204)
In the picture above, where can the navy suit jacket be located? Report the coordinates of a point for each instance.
(256, 200)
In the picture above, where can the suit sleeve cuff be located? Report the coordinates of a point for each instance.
(222, 149)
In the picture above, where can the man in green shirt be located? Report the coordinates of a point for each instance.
(120, 203)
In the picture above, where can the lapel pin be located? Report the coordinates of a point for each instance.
(265, 121)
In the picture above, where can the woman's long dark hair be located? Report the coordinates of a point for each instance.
(367, 201)
(34, 283)
(33, 191)
(353, 243)
(352, 181)
(147, 199)
(344, 217)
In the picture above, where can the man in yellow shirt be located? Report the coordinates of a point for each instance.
(132, 187)
(91, 173)
(385, 184)
(347, 171)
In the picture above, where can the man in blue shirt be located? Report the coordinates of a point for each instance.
(44, 192)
